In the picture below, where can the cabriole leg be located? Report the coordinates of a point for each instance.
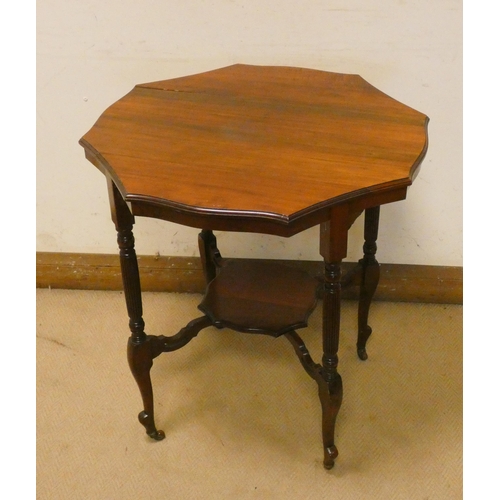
(140, 360)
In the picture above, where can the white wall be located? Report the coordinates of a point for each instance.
(90, 53)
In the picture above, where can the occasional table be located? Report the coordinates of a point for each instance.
(272, 150)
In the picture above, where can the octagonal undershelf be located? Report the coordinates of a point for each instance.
(260, 297)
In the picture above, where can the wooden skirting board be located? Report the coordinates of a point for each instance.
(398, 282)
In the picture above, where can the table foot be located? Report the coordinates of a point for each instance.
(148, 422)
(140, 360)
(362, 354)
(330, 394)
(363, 335)
(331, 453)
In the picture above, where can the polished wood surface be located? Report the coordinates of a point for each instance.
(273, 143)
(262, 149)
(260, 297)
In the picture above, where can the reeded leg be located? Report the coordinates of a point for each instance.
(330, 384)
(333, 248)
(370, 273)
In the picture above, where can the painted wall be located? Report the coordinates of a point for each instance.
(90, 53)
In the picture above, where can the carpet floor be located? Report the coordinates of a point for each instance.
(242, 418)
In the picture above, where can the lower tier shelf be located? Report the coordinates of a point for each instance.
(260, 297)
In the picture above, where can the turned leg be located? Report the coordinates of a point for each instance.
(370, 273)
(209, 253)
(139, 353)
(330, 384)
(333, 248)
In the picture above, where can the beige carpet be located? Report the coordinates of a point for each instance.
(242, 418)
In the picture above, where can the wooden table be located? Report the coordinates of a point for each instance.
(272, 150)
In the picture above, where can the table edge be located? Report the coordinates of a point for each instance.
(248, 220)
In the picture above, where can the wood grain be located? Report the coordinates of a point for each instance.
(260, 297)
(271, 142)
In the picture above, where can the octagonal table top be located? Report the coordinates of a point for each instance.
(267, 142)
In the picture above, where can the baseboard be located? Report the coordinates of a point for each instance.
(398, 282)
